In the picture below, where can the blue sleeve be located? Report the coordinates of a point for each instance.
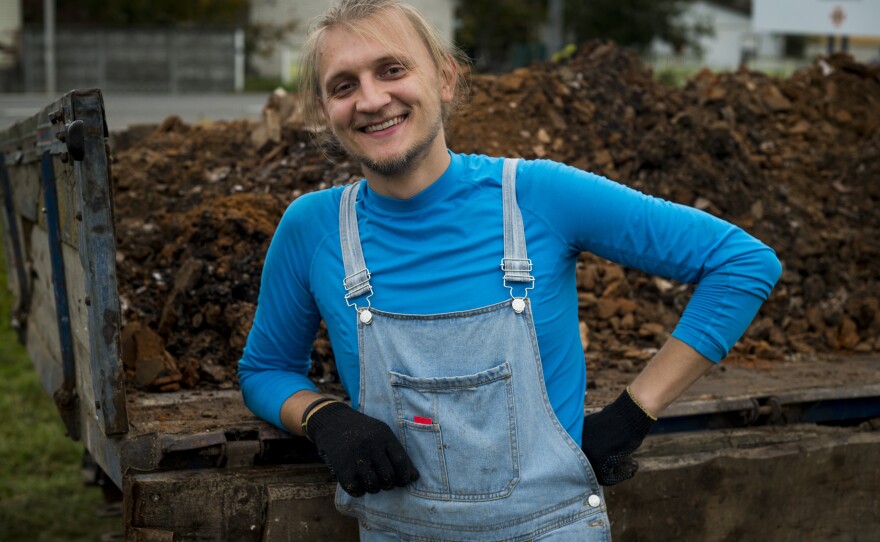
(733, 271)
(277, 357)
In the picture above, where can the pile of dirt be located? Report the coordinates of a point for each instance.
(794, 161)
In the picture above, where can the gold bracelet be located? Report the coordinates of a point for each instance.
(305, 424)
(638, 404)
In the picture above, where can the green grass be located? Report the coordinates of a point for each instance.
(675, 76)
(42, 495)
(253, 83)
(678, 76)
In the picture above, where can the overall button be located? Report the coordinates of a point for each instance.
(365, 316)
(519, 305)
(594, 501)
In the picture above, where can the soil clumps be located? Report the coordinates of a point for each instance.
(794, 161)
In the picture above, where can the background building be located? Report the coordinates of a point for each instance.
(10, 43)
(293, 17)
(731, 41)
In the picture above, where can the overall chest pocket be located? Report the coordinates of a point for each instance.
(460, 433)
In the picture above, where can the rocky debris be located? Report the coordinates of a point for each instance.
(794, 161)
(146, 361)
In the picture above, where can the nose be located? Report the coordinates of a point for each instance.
(372, 97)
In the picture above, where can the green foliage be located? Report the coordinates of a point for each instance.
(253, 83)
(42, 497)
(489, 27)
(675, 76)
(632, 23)
(143, 12)
(564, 53)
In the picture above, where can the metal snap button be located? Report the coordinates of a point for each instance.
(519, 305)
(365, 316)
(594, 501)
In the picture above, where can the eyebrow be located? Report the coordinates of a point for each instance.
(405, 60)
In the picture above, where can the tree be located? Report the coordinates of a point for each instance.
(142, 12)
(488, 28)
(633, 23)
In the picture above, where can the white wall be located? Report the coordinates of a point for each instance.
(10, 28)
(283, 62)
(733, 34)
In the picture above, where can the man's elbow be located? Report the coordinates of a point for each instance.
(768, 269)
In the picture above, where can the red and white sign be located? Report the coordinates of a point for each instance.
(823, 17)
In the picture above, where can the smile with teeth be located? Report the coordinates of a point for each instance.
(384, 125)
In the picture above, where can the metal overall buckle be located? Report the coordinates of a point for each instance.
(525, 266)
(364, 314)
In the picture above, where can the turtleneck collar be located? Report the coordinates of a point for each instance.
(435, 192)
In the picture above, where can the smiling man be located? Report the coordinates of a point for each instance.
(466, 377)
(382, 102)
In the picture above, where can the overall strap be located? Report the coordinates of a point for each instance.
(516, 264)
(357, 277)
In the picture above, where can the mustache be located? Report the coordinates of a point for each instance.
(372, 120)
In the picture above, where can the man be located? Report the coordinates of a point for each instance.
(467, 380)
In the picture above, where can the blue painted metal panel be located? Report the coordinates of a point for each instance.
(97, 251)
(66, 396)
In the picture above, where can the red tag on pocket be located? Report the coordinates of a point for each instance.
(426, 421)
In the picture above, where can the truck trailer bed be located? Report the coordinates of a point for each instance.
(197, 465)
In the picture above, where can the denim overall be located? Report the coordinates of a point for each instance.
(465, 393)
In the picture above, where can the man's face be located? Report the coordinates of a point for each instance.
(382, 98)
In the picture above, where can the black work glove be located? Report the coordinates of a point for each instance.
(362, 452)
(612, 435)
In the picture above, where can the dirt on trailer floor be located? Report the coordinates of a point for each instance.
(794, 161)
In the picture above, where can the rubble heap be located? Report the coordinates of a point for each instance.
(793, 161)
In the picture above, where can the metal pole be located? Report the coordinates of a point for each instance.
(49, 45)
(239, 60)
(554, 26)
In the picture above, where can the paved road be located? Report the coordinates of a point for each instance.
(126, 109)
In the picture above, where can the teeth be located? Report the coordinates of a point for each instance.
(385, 125)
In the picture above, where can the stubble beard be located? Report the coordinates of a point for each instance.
(407, 160)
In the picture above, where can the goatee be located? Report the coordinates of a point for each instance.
(405, 162)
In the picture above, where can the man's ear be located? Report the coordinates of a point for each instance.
(448, 77)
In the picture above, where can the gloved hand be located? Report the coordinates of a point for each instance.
(362, 452)
(612, 435)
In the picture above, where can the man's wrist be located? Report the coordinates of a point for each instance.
(639, 404)
(293, 407)
(310, 410)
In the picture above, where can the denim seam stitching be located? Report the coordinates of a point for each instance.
(479, 528)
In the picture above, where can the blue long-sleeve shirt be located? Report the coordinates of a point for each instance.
(440, 252)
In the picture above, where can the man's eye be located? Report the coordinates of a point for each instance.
(342, 88)
(395, 70)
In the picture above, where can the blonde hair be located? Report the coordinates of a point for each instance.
(352, 15)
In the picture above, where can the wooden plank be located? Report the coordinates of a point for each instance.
(769, 484)
(302, 512)
(68, 202)
(43, 343)
(27, 192)
(266, 504)
(76, 297)
(732, 386)
(23, 191)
